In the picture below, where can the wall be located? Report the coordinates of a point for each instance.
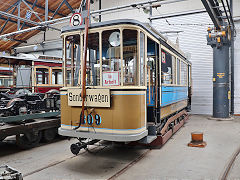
(237, 69)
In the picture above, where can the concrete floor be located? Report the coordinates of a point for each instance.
(175, 160)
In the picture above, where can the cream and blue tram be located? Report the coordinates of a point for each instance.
(135, 81)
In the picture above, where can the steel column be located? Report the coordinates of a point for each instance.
(221, 81)
(232, 60)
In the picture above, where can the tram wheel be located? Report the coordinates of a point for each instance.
(49, 134)
(28, 140)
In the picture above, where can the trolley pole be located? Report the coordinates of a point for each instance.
(219, 41)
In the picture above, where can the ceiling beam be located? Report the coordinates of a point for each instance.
(3, 27)
(69, 6)
(13, 21)
(43, 8)
(43, 24)
(34, 4)
(56, 11)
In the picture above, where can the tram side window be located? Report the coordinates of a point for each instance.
(167, 68)
(57, 76)
(130, 58)
(73, 55)
(174, 80)
(183, 73)
(111, 58)
(152, 56)
(42, 75)
(142, 59)
(93, 62)
(178, 71)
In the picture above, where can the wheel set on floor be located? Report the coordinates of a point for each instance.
(32, 139)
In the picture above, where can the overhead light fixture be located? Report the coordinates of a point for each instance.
(146, 10)
(5, 39)
(95, 18)
(35, 47)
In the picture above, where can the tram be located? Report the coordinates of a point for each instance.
(37, 73)
(138, 84)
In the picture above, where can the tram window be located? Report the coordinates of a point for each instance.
(73, 54)
(93, 63)
(142, 59)
(173, 70)
(167, 68)
(183, 73)
(68, 77)
(130, 57)
(6, 82)
(42, 75)
(57, 76)
(111, 58)
(178, 71)
(152, 56)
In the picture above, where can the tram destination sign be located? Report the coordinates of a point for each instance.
(94, 97)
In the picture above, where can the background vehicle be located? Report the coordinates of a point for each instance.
(30, 101)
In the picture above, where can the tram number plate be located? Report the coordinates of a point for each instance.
(94, 97)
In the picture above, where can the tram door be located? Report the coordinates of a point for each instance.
(153, 84)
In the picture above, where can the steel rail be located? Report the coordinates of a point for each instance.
(230, 164)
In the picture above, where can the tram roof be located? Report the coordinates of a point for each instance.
(14, 60)
(163, 40)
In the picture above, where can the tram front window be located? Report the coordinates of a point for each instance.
(93, 62)
(130, 57)
(72, 56)
(111, 58)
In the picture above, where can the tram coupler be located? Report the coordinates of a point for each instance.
(76, 147)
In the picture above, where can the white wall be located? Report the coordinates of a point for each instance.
(237, 69)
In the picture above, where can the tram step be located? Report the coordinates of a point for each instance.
(147, 139)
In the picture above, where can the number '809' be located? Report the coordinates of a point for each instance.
(91, 119)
